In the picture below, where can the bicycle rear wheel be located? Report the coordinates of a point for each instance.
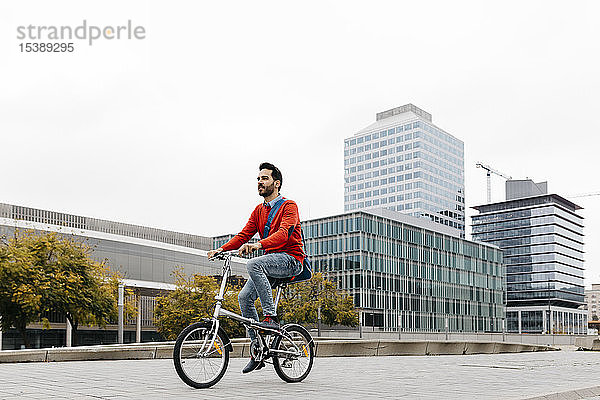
(294, 365)
(197, 363)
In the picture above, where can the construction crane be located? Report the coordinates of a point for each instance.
(491, 170)
(583, 195)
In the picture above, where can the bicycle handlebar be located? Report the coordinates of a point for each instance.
(223, 255)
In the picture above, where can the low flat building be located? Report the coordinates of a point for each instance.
(144, 256)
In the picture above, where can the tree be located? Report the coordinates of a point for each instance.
(50, 272)
(192, 300)
(20, 300)
(301, 301)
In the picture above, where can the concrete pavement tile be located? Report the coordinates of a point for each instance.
(573, 395)
(584, 393)
(563, 396)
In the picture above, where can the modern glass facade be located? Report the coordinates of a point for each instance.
(542, 241)
(404, 163)
(408, 273)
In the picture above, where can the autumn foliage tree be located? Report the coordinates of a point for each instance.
(47, 272)
(192, 300)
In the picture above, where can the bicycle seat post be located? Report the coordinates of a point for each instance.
(278, 295)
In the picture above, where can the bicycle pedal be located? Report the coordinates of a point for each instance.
(286, 363)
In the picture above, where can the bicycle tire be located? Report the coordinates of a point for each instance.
(290, 368)
(206, 371)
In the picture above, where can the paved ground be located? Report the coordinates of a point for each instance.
(501, 376)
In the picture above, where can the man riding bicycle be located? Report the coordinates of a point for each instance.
(282, 244)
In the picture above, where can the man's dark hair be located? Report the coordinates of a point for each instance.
(275, 172)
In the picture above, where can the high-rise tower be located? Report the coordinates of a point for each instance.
(405, 163)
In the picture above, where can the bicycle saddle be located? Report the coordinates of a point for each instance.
(304, 275)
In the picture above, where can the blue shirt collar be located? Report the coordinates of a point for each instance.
(272, 202)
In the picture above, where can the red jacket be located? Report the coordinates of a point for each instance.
(284, 235)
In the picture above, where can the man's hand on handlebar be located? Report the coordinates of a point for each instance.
(214, 252)
(249, 248)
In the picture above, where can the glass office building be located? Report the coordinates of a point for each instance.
(409, 273)
(542, 240)
(403, 162)
(145, 257)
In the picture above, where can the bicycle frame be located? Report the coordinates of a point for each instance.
(251, 323)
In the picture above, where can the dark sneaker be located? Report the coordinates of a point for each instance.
(270, 322)
(253, 365)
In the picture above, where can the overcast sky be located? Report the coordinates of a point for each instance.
(168, 131)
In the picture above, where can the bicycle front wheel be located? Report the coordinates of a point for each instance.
(294, 353)
(197, 362)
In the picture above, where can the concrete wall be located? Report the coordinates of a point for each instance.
(323, 348)
(545, 340)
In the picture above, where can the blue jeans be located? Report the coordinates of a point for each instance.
(276, 265)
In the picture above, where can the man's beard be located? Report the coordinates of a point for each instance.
(267, 190)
